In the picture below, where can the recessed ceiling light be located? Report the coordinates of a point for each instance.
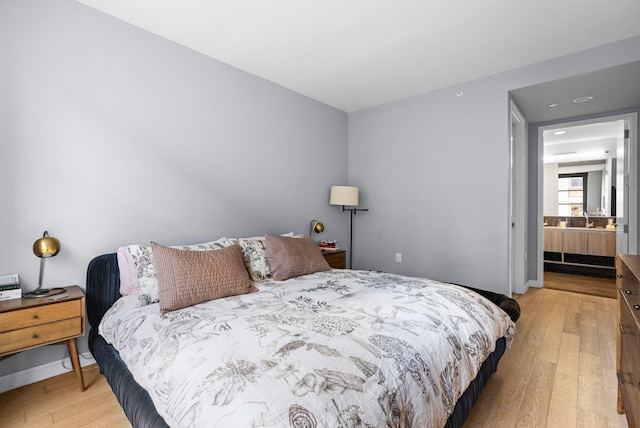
(552, 105)
(559, 132)
(582, 99)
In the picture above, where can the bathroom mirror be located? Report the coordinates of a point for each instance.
(571, 189)
(580, 168)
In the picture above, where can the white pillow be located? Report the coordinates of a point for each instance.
(128, 275)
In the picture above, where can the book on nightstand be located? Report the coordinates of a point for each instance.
(329, 245)
(10, 287)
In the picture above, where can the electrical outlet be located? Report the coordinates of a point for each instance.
(398, 257)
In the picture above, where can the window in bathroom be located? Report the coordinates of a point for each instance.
(572, 194)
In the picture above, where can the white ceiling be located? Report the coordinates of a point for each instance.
(590, 142)
(354, 54)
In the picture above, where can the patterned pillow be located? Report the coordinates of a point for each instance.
(291, 257)
(188, 277)
(140, 258)
(254, 251)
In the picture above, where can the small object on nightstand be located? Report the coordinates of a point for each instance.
(44, 248)
(10, 287)
(329, 245)
(35, 294)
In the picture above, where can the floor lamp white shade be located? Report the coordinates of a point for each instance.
(344, 195)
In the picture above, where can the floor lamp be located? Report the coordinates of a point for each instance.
(347, 196)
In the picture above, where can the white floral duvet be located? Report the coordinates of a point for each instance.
(338, 348)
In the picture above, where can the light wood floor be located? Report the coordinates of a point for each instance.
(559, 372)
(603, 287)
(58, 402)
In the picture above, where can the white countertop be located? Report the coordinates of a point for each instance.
(580, 229)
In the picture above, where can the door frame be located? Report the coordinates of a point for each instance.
(518, 150)
(631, 158)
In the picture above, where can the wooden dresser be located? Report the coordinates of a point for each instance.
(628, 337)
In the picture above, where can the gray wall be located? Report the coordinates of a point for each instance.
(434, 170)
(111, 135)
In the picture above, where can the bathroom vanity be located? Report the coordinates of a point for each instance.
(589, 251)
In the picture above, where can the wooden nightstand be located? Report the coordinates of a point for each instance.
(30, 323)
(337, 259)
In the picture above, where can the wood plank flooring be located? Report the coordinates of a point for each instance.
(603, 287)
(559, 372)
(58, 402)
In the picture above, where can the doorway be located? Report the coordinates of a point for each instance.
(611, 89)
(612, 158)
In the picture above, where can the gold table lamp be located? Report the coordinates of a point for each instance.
(44, 248)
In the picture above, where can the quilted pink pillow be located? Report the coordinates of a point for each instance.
(291, 257)
(186, 277)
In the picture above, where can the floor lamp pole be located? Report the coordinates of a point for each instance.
(351, 240)
(353, 212)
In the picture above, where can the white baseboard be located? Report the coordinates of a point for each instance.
(45, 371)
(534, 283)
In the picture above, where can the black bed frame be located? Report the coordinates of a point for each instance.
(103, 289)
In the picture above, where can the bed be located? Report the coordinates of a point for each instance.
(328, 347)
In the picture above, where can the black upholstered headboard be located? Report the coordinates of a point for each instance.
(103, 289)
(103, 286)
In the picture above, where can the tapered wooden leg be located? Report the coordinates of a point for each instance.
(75, 361)
(620, 402)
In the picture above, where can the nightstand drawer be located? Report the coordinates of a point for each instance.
(336, 259)
(38, 335)
(14, 320)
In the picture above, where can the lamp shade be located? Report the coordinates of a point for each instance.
(46, 246)
(344, 195)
